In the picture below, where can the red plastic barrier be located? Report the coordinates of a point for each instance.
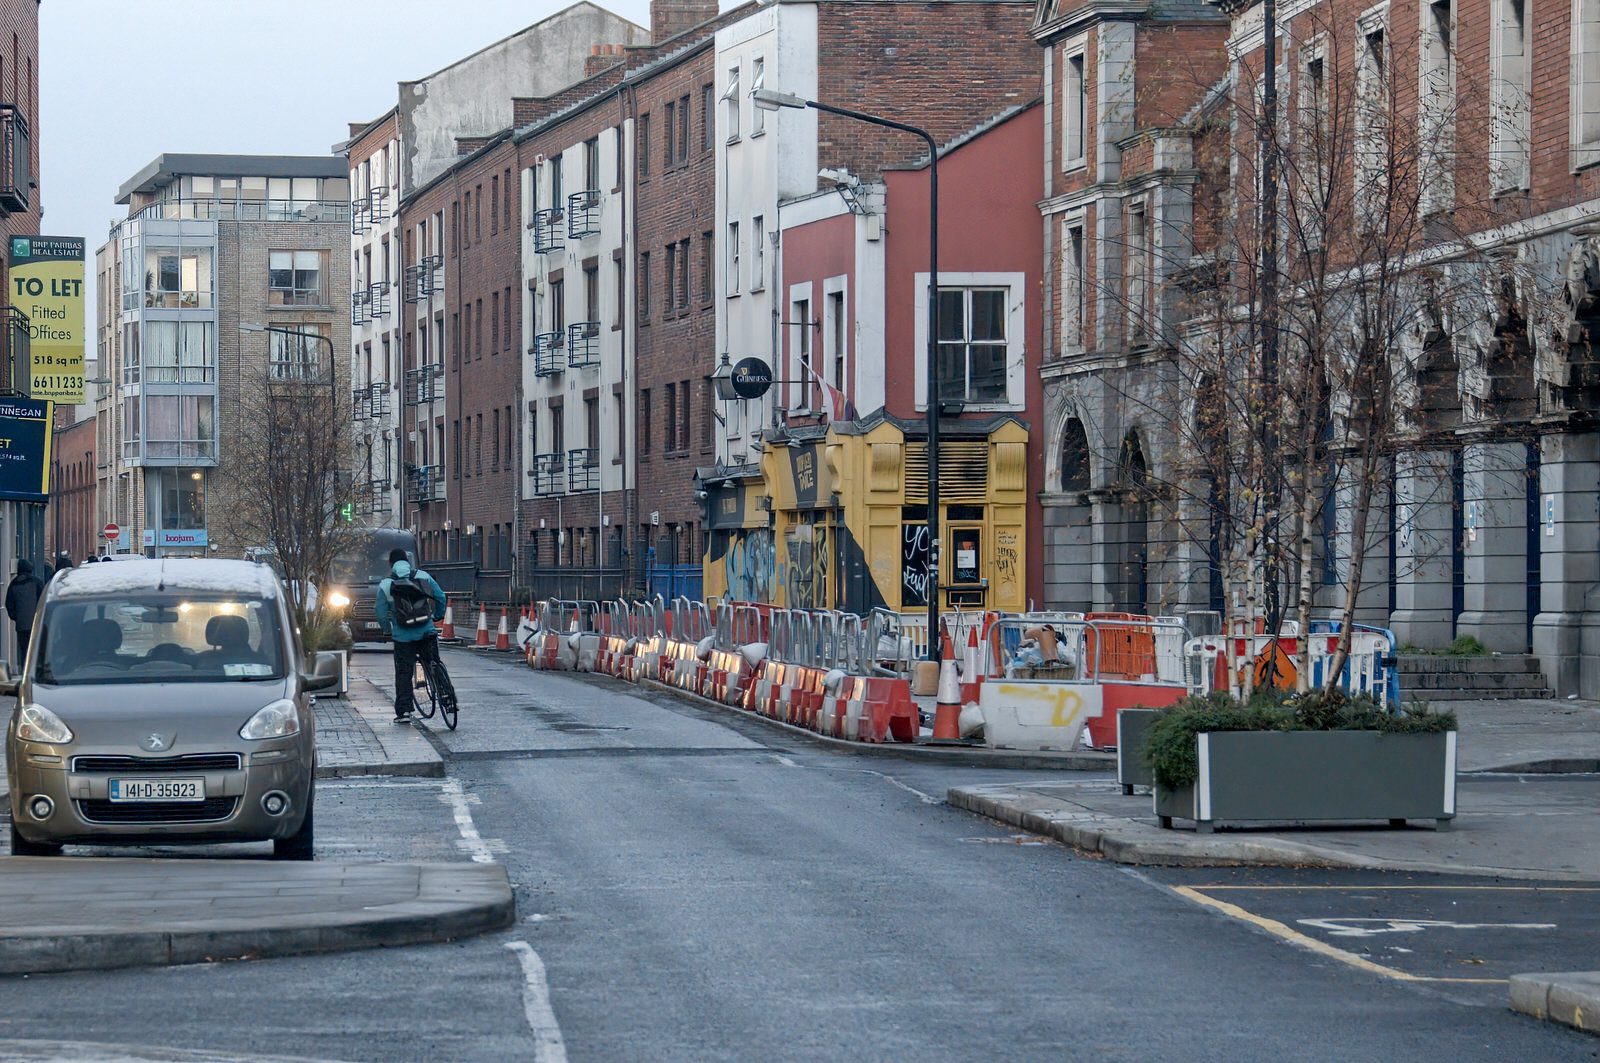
(1119, 696)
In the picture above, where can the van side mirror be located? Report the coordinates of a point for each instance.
(328, 674)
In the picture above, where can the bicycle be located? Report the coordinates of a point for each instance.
(435, 682)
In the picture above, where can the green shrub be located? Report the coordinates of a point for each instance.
(325, 630)
(1170, 749)
(1466, 646)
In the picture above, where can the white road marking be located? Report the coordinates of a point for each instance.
(481, 850)
(785, 761)
(548, 1046)
(927, 799)
(1362, 928)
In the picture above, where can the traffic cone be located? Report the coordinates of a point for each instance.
(447, 629)
(971, 668)
(502, 638)
(483, 628)
(947, 715)
(947, 647)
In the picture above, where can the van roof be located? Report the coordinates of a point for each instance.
(203, 575)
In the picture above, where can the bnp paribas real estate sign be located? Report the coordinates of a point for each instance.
(47, 286)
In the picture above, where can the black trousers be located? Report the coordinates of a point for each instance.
(406, 656)
(23, 635)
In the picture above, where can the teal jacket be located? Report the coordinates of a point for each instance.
(384, 606)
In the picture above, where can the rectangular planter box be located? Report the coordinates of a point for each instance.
(1131, 768)
(1316, 776)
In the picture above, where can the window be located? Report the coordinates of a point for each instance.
(683, 273)
(670, 444)
(505, 324)
(477, 443)
(619, 284)
(455, 228)
(477, 328)
(685, 405)
(177, 278)
(733, 258)
(621, 425)
(177, 352)
(669, 136)
(670, 258)
(296, 357)
(591, 163)
(617, 140)
(557, 306)
(836, 337)
(558, 428)
(683, 128)
(1509, 103)
(456, 340)
(730, 97)
(1072, 287)
(182, 494)
(294, 278)
(1137, 269)
(1585, 108)
(1436, 106)
(466, 218)
(178, 426)
(505, 202)
(644, 286)
(495, 453)
(758, 79)
(494, 204)
(641, 150)
(477, 215)
(708, 123)
(591, 423)
(1074, 112)
(591, 293)
(800, 318)
(972, 344)
(706, 267)
(510, 450)
(557, 202)
(1372, 120)
(644, 421)
(758, 253)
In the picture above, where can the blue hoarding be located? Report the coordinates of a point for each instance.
(25, 450)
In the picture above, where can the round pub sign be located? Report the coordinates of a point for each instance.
(752, 378)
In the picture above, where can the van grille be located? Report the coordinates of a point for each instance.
(212, 809)
(188, 762)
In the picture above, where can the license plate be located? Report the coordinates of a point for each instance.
(372, 625)
(158, 789)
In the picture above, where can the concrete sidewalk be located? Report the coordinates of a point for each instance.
(357, 735)
(1528, 735)
(91, 913)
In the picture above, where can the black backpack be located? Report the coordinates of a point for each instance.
(413, 606)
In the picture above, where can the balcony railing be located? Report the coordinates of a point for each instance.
(378, 299)
(411, 283)
(427, 483)
(548, 474)
(312, 210)
(378, 205)
(583, 344)
(360, 217)
(583, 213)
(583, 470)
(375, 498)
(547, 353)
(433, 270)
(370, 402)
(548, 232)
(424, 385)
(16, 361)
(361, 306)
(16, 160)
(294, 370)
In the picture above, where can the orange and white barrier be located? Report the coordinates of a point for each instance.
(483, 628)
(502, 637)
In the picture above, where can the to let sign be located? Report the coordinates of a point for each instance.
(47, 286)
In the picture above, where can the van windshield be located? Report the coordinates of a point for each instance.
(159, 638)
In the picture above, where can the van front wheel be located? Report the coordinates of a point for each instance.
(299, 845)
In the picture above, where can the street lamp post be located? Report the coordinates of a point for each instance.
(333, 368)
(771, 100)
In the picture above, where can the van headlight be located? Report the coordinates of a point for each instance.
(278, 720)
(35, 723)
(338, 599)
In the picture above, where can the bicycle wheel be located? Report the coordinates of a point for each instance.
(426, 706)
(439, 681)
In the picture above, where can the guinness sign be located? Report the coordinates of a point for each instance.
(752, 378)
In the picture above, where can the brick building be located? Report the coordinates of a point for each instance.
(72, 520)
(1483, 517)
(212, 244)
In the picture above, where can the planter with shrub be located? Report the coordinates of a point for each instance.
(1132, 727)
(1321, 757)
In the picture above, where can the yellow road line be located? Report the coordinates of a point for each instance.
(1321, 948)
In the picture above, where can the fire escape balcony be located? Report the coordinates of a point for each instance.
(361, 306)
(411, 284)
(547, 351)
(548, 474)
(360, 219)
(376, 499)
(16, 160)
(370, 402)
(427, 483)
(583, 213)
(424, 385)
(548, 232)
(378, 205)
(378, 299)
(433, 270)
(583, 469)
(583, 344)
(16, 358)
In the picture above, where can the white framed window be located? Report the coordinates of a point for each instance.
(758, 253)
(1436, 122)
(1372, 115)
(982, 339)
(1073, 256)
(1136, 264)
(1074, 106)
(732, 266)
(1585, 109)
(1510, 104)
(730, 101)
(758, 79)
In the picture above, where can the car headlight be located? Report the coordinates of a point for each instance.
(278, 720)
(338, 599)
(35, 723)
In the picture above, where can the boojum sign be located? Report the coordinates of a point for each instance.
(47, 286)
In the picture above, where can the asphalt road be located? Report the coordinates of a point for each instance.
(696, 886)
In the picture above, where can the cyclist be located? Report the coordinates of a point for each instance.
(408, 603)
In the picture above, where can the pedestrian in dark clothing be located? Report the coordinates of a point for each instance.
(63, 562)
(22, 601)
(410, 623)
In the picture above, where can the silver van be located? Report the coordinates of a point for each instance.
(162, 701)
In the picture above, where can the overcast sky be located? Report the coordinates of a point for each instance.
(122, 81)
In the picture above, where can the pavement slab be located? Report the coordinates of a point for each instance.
(1525, 827)
(95, 913)
(1528, 735)
(357, 735)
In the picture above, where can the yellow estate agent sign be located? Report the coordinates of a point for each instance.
(47, 285)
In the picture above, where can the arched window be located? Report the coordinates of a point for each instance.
(1131, 468)
(1074, 457)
